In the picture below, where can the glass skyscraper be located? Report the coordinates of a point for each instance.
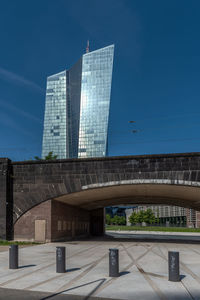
(77, 107)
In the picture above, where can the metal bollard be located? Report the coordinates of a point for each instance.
(60, 259)
(13, 257)
(113, 262)
(173, 263)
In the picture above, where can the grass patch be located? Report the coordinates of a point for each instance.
(8, 243)
(152, 228)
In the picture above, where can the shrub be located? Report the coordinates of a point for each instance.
(142, 216)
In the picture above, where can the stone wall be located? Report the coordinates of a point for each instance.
(35, 182)
(68, 221)
(62, 222)
(24, 185)
(24, 228)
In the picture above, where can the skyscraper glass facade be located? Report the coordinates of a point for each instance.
(77, 107)
(95, 102)
(54, 134)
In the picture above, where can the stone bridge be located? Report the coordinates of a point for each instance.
(54, 200)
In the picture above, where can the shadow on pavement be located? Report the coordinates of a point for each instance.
(151, 238)
(72, 270)
(87, 297)
(26, 266)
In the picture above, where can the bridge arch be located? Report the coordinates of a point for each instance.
(82, 212)
(151, 191)
(91, 184)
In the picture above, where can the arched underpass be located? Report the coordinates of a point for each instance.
(99, 197)
(82, 213)
(65, 198)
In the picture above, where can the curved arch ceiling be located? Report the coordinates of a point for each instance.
(179, 195)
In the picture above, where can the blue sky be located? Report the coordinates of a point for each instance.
(156, 75)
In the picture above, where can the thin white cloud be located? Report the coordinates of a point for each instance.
(17, 79)
(19, 111)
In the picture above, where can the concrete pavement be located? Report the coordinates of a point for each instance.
(12, 294)
(143, 272)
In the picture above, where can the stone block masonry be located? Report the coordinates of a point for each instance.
(53, 191)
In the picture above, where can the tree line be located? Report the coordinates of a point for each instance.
(146, 216)
(116, 220)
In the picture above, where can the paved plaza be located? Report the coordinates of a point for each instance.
(143, 271)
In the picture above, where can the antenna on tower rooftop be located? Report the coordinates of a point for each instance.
(87, 48)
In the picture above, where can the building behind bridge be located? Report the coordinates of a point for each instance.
(169, 215)
(77, 107)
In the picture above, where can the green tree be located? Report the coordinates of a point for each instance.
(117, 220)
(49, 156)
(122, 220)
(114, 220)
(142, 216)
(108, 219)
(149, 217)
(134, 218)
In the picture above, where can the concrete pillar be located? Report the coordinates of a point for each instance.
(97, 222)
